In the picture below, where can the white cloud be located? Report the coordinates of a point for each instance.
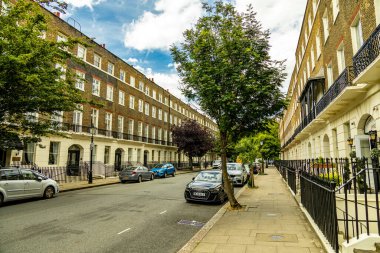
(83, 3)
(132, 60)
(164, 26)
(168, 81)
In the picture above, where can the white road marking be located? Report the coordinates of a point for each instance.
(125, 230)
(163, 212)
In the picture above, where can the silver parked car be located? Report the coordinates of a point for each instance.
(135, 173)
(237, 172)
(18, 183)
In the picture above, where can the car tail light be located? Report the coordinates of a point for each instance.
(133, 172)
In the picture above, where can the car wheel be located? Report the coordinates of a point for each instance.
(173, 174)
(165, 176)
(49, 192)
(151, 177)
(1, 199)
(123, 181)
(140, 179)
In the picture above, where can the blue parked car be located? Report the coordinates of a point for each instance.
(163, 170)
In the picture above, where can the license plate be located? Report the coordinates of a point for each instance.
(202, 194)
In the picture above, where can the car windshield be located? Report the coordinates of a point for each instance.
(158, 165)
(40, 175)
(209, 177)
(233, 167)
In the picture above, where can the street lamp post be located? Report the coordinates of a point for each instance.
(91, 153)
(262, 158)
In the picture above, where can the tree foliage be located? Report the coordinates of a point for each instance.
(30, 81)
(225, 66)
(250, 148)
(192, 139)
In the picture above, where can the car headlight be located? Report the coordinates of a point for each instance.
(216, 189)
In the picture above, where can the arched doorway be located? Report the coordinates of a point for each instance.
(326, 146)
(362, 141)
(146, 155)
(73, 160)
(118, 159)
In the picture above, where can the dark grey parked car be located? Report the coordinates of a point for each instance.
(135, 173)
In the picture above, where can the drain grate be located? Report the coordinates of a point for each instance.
(277, 237)
(191, 223)
(272, 214)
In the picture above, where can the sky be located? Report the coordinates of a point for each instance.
(141, 31)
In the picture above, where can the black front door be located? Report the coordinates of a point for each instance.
(73, 163)
(3, 157)
(145, 158)
(118, 160)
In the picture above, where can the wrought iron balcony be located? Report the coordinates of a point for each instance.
(368, 52)
(344, 80)
(66, 127)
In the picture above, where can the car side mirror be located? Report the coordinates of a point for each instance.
(193, 178)
(39, 179)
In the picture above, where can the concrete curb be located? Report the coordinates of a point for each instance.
(110, 183)
(326, 245)
(195, 240)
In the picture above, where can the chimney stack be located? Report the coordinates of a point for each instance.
(58, 14)
(104, 45)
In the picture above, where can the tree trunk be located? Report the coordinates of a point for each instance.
(227, 183)
(262, 166)
(252, 176)
(191, 162)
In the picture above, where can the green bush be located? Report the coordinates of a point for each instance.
(332, 176)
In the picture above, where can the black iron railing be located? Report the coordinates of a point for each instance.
(341, 195)
(368, 52)
(344, 80)
(108, 133)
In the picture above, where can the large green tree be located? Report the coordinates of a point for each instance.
(30, 81)
(225, 66)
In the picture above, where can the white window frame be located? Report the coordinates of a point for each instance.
(325, 23)
(147, 108)
(141, 85)
(81, 52)
(154, 113)
(141, 106)
(335, 9)
(154, 94)
(340, 58)
(96, 87)
(80, 80)
(97, 61)
(132, 81)
(160, 98)
(165, 117)
(121, 98)
(330, 77)
(357, 34)
(109, 96)
(94, 117)
(160, 114)
(131, 126)
(122, 75)
(120, 126)
(108, 122)
(147, 90)
(139, 129)
(153, 135)
(131, 102)
(110, 68)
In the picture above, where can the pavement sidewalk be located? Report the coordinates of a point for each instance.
(271, 221)
(78, 185)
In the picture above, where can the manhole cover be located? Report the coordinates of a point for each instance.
(191, 223)
(267, 237)
(272, 214)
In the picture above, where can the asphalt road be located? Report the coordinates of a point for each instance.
(128, 217)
